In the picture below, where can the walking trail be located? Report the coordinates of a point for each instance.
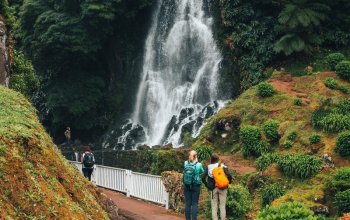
(139, 210)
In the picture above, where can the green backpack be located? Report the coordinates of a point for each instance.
(189, 174)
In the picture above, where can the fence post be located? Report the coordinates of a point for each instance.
(166, 200)
(128, 182)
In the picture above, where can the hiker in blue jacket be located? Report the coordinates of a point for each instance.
(192, 184)
(88, 162)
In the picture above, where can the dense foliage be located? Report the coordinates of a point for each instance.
(288, 210)
(299, 165)
(271, 192)
(340, 181)
(315, 139)
(332, 117)
(333, 59)
(70, 45)
(270, 129)
(342, 201)
(238, 202)
(204, 152)
(343, 70)
(23, 76)
(343, 143)
(265, 89)
(252, 144)
(265, 160)
(331, 83)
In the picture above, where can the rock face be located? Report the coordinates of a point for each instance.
(4, 55)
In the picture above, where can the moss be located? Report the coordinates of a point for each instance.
(32, 166)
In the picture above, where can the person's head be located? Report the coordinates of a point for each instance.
(86, 148)
(214, 158)
(192, 156)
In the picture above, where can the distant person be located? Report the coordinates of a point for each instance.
(217, 179)
(192, 184)
(67, 134)
(88, 162)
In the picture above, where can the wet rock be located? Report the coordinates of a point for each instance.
(167, 146)
(188, 127)
(224, 135)
(320, 210)
(143, 147)
(156, 147)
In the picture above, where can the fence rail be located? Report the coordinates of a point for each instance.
(139, 185)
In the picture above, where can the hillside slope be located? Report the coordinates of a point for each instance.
(36, 182)
(293, 104)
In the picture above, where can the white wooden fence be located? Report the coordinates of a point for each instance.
(139, 185)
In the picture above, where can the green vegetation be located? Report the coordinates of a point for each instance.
(299, 165)
(270, 130)
(252, 144)
(271, 192)
(292, 136)
(204, 152)
(238, 202)
(331, 83)
(343, 70)
(343, 144)
(342, 201)
(298, 102)
(265, 90)
(265, 161)
(288, 144)
(315, 139)
(333, 59)
(28, 154)
(289, 210)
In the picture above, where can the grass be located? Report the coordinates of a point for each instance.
(30, 167)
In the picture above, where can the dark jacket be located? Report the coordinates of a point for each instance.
(210, 182)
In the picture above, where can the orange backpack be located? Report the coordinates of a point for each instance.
(220, 178)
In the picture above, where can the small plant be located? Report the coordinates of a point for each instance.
(299, 165)
(297, 102)
(344, 89)
(2, 150)
(288, 210)
(265, 160)
(343, 70)
(342, 201)
(204, 152)
(288, 144)
(331, 83)
(333, 59)
(292, 136)
(249, 134)
(265, 89)
(238, 202)
(343, 143)
(270, 129)
(340, 181)
(314, 139)
(270, 193)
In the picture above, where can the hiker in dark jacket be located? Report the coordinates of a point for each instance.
(218, 190)
(88, 162)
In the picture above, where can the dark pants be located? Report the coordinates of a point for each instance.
(191, 201)
(87, 172)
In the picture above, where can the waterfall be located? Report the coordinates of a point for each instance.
(180, 74)
(180, 65)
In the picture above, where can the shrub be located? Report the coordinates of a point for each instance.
(256, 149)
(270, 193)
(265, 160)
(340, 181)
(331, 83)
(265, 89)
(343, 143)
(344, 89)
(333, 59)
(314, 139)
(204, 152)
(172, 181)
(342, 201)
(299, 165)
(238, 202)
(343, 70)
(344, 106)
(297, 102)
(292, 136)
(288, 210)
(288, 144)
(270, 129)
(249, 134)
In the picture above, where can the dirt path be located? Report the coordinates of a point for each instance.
(236, 165)
(139, 210)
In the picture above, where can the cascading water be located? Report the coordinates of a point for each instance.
(179, 80)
